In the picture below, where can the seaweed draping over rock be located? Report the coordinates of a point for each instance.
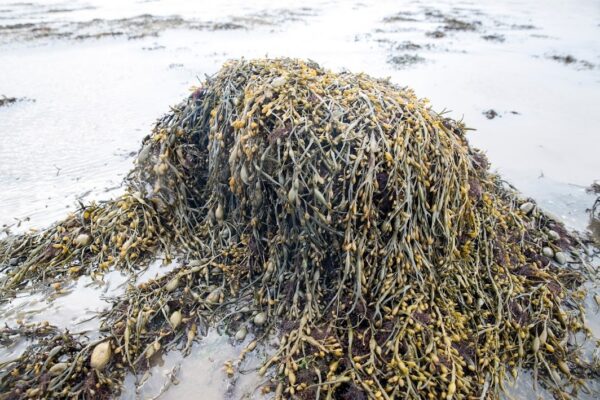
(337, 208)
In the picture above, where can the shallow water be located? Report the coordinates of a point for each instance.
(92, 87)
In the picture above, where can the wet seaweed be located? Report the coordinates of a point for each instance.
(336, 209)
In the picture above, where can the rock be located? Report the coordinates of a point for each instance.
(560, 258)
(172, 284)
(101, 355)
(83, 240)
(527, 207)
(553, 235)
(260, 319)
(241, 333)
(214, 296)
(279, 81)
(548, 252)
(175, 319)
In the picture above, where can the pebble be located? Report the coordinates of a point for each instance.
(279, 81)
(101, 355)
(553, 235)
(260, 319)
(560, 258)
(83, 239)
(548, 252)
(172, 284)
(241, 333)
(214, 296)
(527, 207)
(175, 319)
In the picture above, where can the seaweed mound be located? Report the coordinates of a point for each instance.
(335, 209)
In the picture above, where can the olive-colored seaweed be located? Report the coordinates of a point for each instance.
(340, 210)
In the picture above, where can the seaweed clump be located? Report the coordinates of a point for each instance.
(336, 209)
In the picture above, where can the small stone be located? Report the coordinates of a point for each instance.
(82, 240)
(241, 333)
(548, 252)
(172, 284)
(560, 258)
(279, 81)
(101, 355)
(175, 319)
(214, 296)
(260, 319)
(553, 235)
(527, 207)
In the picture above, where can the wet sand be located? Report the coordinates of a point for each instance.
(102, 72)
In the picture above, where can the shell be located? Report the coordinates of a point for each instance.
(101, 355)
(175, 319)
(260, 318)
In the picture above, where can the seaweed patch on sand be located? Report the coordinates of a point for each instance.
(338, 210)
